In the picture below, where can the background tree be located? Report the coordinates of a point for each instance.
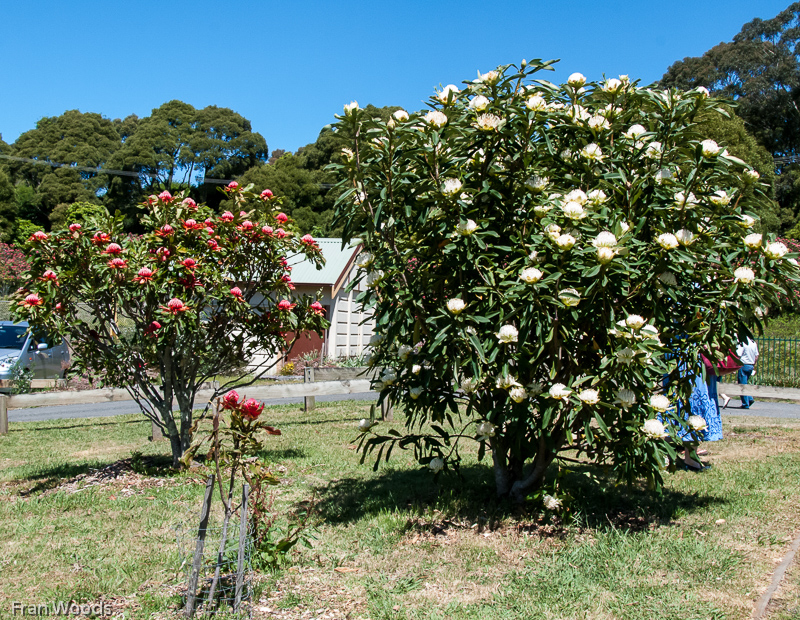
(171, 308)
(539, 257)
(8, 208)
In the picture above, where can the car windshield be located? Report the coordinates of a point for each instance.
(12, 336)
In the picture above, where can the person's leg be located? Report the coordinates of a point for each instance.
(743, 375)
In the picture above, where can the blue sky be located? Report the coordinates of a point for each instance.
(290, 66)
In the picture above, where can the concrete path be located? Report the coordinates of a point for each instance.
(35, 414)
(762, 409)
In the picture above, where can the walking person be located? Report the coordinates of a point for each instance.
(747, 352)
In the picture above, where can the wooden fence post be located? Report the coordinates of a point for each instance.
(387, 413)
(197, 561)
(157, 435)
(3, 414)
(308, 377)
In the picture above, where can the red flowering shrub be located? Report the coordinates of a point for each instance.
(12, 265)
(196, 294)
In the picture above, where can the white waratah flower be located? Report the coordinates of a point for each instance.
(479, 103)
(456, 305)
(775, 250)
(536, 103)
(450, 187)
(415, 392)
(488, 122)
(559, 391)
(598, 123)
(517, 394)
(634, 321)
(710, 148)
(565, 241)
(625, 227)
(364, 425)
(416, 369)
(469, 384)
(634, 132)
(360, 197)
(537, 183)
(597, 197)
(703, 91)
(744, 275)
(612, 85)
(747, 221)
(697, 423)
(605, 255)
(720, 198)
(659, 402)
(668, 278)
(685, 237)
(653, 150)
(400, 115)
(653, 429)
(485, 430)
(626, 356)
(553, 231)
(574, 211)
(364, 259)
(542, 210)
(466, 228)
(664, 175)
(569, 297)
(605, 239)
(576, 195)
(348, 154)
(751, 175)
(592, 152)
(436, 465)
(351, 107)
(576, 79)
(551, 503)
(403, 351)
(590, 397)
(668, 241)
(685, 202)
(625, 398)
(389, 376)
(436, 118)
(376, 339)
(444, 95)
(753, 241)
(531, 275)
(490, 77)
(507, 334)
(506, 382)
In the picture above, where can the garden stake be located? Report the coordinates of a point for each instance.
(191, 594)
(240, 558)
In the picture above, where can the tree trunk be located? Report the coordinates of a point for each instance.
(509, 471)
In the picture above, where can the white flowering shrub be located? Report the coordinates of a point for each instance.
(543, 255)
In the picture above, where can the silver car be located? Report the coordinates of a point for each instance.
(45, 357)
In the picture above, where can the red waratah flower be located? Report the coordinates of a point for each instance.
(74, 227)
(266, 194)
(282, 218)
(165, 231)
(230, 400)
(285, 304)
(284, 262)
(236, 292)
(267, 230)
(226, 217)
(163, 254)
(317, 307)
(50, 276)
(117, 263)
(245, 226)
(145, 275)
(59, 308)
(251, 408)
(288, 279)
(165, 196)
(190, 224)
(152, 328)
(209, 223)
(101, 238)
(213, 245)
(175, 305)
(39, 235)
(113, 248)
(232, 186)
(190, 204)
(280, 233)
(32, 301)
(308, 240)
(189, 263)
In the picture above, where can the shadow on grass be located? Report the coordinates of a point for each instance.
(15, 429)
(471, 497)
(280, 454)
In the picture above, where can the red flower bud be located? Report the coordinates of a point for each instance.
(282, 218)
(266, 194)
(165, 231)
(165, 196)
(226, 217)
(74, 227)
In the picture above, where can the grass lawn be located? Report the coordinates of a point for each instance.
(396, 543)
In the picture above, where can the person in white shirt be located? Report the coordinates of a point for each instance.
(747, 352)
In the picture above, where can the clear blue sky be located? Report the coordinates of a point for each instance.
(290, 66)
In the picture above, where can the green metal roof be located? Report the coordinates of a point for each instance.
(337, 260)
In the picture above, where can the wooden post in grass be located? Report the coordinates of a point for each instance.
(387, 414)
(197, 561)
(308, 377)
(3, 414)
(242, 547)
(156, 430)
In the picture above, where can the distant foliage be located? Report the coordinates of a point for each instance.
(13, 266)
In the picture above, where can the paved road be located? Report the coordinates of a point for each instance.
(35, 414)
(763, 409)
